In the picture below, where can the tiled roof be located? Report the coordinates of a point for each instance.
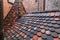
(38, 26)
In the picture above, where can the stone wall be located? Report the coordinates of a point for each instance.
(52, 5)
(32, 6)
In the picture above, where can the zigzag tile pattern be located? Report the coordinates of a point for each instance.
(35, 26)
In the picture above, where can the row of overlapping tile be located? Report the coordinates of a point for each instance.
(15, 13)
(35, 26)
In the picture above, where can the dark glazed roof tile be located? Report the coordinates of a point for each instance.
(52, 29)
(58, 22)
(57, 30)
(49, 38)
(54, 34)
(28, 38)
(44, 36)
